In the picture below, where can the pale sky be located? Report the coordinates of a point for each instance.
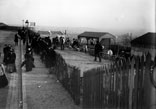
(100, 14)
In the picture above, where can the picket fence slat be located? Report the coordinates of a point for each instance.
(122, 85)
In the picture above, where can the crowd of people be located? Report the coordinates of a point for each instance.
(9, 58)
(43, 46)
(8, 64)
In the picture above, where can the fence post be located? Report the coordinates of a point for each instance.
(148, 87)
(131, 83)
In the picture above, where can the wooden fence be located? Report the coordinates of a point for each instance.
(69, 76)
(125, 84)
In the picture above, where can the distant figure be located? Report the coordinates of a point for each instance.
(62, 41)
(16, 40)
(57, 41)
(22, 34)
(5, 52)
(110, 52)
(28, 62)
(11, 61)
(75, 44)
(52, 57)
(86, 48)
(98, 50)
(48, 41)
(29, 49)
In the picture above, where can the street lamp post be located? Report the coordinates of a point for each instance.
(27, 28)
(20, 88)
(20, 80)
(23, 23)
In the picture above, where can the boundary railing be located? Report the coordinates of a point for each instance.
(124, 84)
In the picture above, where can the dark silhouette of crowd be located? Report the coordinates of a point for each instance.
(9, 58)
(41, 46)
(45, 48)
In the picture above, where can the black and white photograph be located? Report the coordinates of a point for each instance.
(77, 54)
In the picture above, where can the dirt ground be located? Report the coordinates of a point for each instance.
(42, 91)
(81, 60)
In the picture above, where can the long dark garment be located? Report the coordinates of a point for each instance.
(11, 67)
(29, 62)
(3, 78)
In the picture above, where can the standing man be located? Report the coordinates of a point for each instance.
(11, 67)
(62, 40)
(16, 40)
(98, 50)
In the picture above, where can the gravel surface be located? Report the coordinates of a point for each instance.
(81, 60)
(42, 91)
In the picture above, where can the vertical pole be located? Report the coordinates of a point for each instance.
(20, 91)
(23, 23)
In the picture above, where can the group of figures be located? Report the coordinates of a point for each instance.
(59, 41)
(24, 35)
(45, 48)
(40, 46)
(9, 58)
(29, 59)
(8, 64)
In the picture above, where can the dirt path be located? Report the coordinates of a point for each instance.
(42, 91)
(8, 95)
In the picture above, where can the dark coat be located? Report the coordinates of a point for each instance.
(98, 48)
(28, 62)
(16, 38)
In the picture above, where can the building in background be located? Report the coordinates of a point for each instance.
(106, 39)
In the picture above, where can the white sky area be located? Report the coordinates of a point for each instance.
(100, 14)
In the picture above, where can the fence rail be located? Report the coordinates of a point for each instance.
(125, 84)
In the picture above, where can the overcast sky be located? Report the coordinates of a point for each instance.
(101, 14)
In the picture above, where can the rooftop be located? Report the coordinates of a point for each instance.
(94, 34)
